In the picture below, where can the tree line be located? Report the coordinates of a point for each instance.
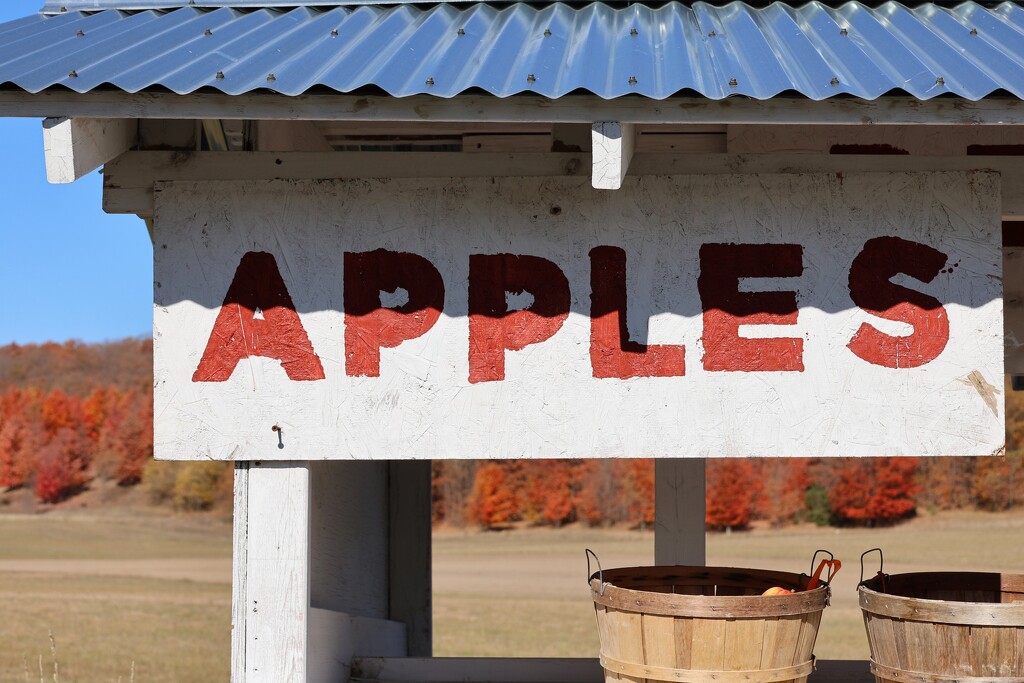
(72, 414)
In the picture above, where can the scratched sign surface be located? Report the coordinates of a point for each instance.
(771, 315)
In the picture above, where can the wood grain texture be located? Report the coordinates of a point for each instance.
(941, 627)
(277, 573)
(679, 504)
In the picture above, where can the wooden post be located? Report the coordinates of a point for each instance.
(679, 511)
(409, 552)
(271, 572)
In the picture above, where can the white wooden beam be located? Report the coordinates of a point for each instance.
(612, 145)
(679, 512)
(75, 147)
(271, 574)
(524, 108)
(129, 180)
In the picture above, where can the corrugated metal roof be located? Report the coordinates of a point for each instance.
(444, 50)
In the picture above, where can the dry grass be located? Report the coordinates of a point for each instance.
(110, 587)
(104, 584)
(524, 593)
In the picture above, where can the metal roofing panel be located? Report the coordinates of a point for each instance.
(816, 50)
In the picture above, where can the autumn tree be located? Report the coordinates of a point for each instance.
(731, 491)
(492, 501)
(62, 466)
(874, 490)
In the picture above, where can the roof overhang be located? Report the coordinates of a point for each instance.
(519, 108)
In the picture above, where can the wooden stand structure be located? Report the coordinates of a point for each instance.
(332, 557)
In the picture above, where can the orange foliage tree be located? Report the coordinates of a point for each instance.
(731, 491)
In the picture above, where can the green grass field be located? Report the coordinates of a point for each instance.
(118, 589)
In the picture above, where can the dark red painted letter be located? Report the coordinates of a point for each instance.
(726, 308)
(492, 327)
(612, 354)
(258, 318)
(882, 258)
(370, 327)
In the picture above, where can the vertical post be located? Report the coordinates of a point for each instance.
(679, 510)
(409, 552)
(271, 573)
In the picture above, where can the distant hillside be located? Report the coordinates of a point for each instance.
(78, 368)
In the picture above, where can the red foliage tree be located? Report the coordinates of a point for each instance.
(731, 490)
(874, 490)
(62, 467)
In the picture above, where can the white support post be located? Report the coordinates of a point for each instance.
(75, 147)
(612, 148)
(679, 508)
(271, 573)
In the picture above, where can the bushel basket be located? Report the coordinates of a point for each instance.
(945, 627)
(706, 624)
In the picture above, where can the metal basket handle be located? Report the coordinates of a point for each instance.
(599, 573)
(881, 567)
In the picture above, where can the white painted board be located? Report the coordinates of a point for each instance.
(886, 291)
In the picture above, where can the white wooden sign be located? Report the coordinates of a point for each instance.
(770, 315)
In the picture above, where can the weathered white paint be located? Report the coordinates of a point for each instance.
(679, 512)
(550, 404)
(612, 144)
(335, 638)
(75, 147)
(349, 537)
(274, 587)
(129, 179)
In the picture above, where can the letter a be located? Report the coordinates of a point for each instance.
(240, 332)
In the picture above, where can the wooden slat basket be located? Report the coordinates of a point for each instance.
(705, 624)
(945, 627)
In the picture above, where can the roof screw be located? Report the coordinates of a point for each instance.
(80, 33)
(939, 80)
(633, 32)
(733, 82)
(430, 80)
(271, 78)
(974, 31)
(220, 76)
(834, 82)
(63, 9)
(72, 74)
(530, 78)
(547, 33)
(632, 80)
(207, 32)
(334, 33)
(712, 34)
(843, 31)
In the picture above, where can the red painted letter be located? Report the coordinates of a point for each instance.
(492, 327)
(882, 258)
(369, 326)
(612, 354)
(258, 318)
(726, 308)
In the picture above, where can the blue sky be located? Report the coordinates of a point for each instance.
(68, 270)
